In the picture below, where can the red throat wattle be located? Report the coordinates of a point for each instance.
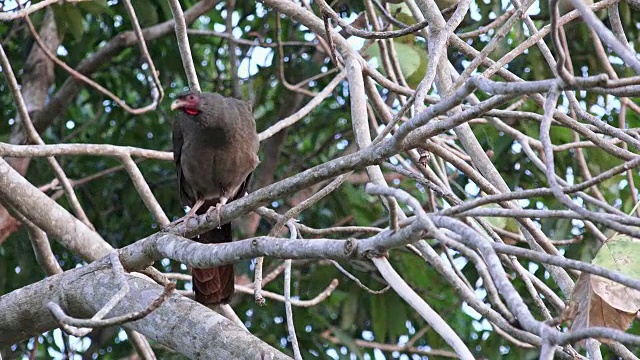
(191, 111)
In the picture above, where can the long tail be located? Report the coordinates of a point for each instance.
(214, 285)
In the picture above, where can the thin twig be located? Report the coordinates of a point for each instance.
(324, 294)
(40, 243)
(144, 191)
(357, 281)
(157, 86)
(81, 327)
(296, 302)
(81, 77)
(25, 11)
(332, 45)
(68, 323)
(273, 274)
(257, 282)
(305, 110)
(287, 297)
(326, 9)
(395, 348)
(141, 344)
(35, 137)
(281, 74)
(183, 45)
(307, 203)
(236, 90)
(258, 42)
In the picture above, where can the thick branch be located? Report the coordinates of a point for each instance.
(49, 216)
(181, 324)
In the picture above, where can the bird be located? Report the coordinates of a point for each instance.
(215, 150)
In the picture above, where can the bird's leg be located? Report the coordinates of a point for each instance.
(223, 200)
(190, 214)
(194, 208)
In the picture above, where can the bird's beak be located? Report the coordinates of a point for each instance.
(177, 104)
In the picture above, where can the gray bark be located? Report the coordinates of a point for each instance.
(49, 216)
(179, 323)
(36, 80)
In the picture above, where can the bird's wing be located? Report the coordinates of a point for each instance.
(178, 141)
(244, 187)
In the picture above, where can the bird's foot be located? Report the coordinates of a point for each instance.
(218, 210)
(185, 219)
(190, 215)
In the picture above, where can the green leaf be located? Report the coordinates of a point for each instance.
(379, 317)
(561, 135)
(74, 20)
(498, 222)
(348, 341)
(414, 79)
(402, 13)
(620, 253)
(350, 309)
(413, 60)
(95, 7)
(68, 21)
(396, 316)
(146, 12)
(59, 14)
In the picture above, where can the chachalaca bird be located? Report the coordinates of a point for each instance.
(215, 149)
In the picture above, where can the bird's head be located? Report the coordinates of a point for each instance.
(190, 103)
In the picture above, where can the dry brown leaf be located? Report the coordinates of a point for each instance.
(594, 310)
(8, 225)
(616, 295)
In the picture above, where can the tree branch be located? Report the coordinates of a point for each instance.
(83, 291)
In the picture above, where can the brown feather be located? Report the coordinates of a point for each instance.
(214, 285)
(215, 150)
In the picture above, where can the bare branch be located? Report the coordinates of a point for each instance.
(48, 215)
(145, 53)
(40, 243)
(81, 327)
(69, 323)
(432, 318)
(35, 137)
(281, 75)
(357, 281)
(81, 149)
(257, 282)
(70, 88)
(370, 34)
(24, 11)
(155, 92)
(287, 296)
(183, 45)
(144, 191)
(609, 38)
(82, 292)
(305, 110)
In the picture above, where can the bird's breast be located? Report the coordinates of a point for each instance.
(213, 172)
